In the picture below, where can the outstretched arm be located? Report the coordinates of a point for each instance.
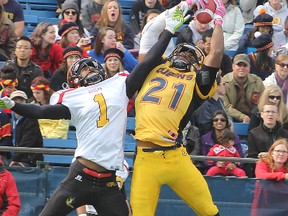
(213, 59)
(57, 111)
(174, 18)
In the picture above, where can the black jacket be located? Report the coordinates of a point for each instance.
(26, 133)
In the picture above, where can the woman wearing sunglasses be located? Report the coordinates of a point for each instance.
(280, 76)
(70, 13)
(272, 94)
(219, 123)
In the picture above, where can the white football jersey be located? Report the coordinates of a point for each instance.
(99, 114)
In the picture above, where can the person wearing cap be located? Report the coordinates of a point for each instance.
(25, 133)
(70, 13)
(59, 78)
(242, 89)
(262, 23)
(106, 39)
(261, 63)
(277, 9)
(113, 61)
(70, 36)
(10, 203)
(28, 70)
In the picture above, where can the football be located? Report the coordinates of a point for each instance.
(206, 15)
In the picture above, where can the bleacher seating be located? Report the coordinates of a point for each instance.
(36, 11)
(126, 7)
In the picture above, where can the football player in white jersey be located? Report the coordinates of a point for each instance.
(97, 108)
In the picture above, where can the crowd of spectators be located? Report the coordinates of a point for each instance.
(252, 82)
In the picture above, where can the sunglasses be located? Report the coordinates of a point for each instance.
(70, 12)
(242, 64)
(219, 119)
(280, 151)
(282, 65)
(273, 97)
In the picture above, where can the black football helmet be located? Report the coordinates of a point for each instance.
(96, 73)
(192, 60)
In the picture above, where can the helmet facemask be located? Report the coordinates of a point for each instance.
(186, 58)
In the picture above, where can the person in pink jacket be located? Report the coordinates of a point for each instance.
(275, 165)
(225, 148)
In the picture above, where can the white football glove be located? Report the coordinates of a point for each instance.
(174, 19)
(6, 102)
(189, 4)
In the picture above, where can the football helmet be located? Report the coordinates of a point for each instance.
(186, 57)
(95, 75)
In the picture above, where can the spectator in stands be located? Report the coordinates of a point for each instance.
(201, 118)
(14, 12)
(26, 133)
(59, 78)
(280, 76)
(272, 94)
(8, 37)
(247, 7)
(56, 129)
(281, 38)
(111, 16)
(91, 13)
(70, 36)
(275, 165)
(138, 11)
(150, 14)
(276, 9)
(5, 136)
(262, 64)
(262, 137)
(106, 39)
(27, 69)
(192, 33)
(45, 52)
(263, 24)
(70, 13)
(225, 148)
(219, 122)
(233, 25)
(9, 82)
(10, 203)
(242, 89)
(113, 61)
(204, 44)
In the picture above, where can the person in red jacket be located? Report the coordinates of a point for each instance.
(9, 196)
(275, 165)
(225, 148)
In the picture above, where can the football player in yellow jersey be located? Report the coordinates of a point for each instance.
(170, 94)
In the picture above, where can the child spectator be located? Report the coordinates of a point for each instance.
(225, 148)
(45, 52)
(26, 133)
(49, 128)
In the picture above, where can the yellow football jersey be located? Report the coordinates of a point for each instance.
(161, 104)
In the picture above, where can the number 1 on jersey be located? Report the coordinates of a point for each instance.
(103, 119)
